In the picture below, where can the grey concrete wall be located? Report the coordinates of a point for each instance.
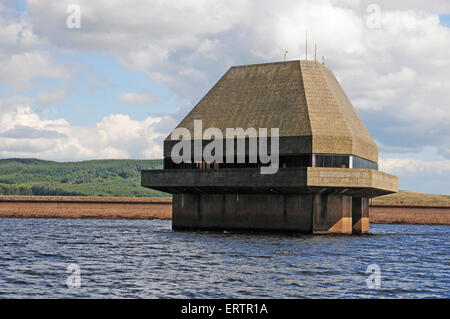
(319, 214)
(292, 180)
(243, 212)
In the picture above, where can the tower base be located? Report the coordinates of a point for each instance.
(329, 213)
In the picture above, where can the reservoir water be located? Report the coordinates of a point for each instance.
(146, 259)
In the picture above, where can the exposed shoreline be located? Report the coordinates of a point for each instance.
(409, 214)
(161, 208)
(85, 207)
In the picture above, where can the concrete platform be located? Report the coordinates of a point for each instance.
(302, 200)
(346, 181)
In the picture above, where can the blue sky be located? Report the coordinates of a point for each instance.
(94, 92)
(117, 86)
(444, 19)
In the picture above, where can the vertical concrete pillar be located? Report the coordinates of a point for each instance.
(332, 214)
(360, 215)
(185, 211)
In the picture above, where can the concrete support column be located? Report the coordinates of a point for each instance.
(185, 210)
(332, 214)
(360, 215)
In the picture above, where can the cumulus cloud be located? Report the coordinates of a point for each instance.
(24, 134)
(136, 98)
(18, 70)
(22, 54)
(16, 35)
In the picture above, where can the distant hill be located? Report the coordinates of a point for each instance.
(405, 198)
(87, 178)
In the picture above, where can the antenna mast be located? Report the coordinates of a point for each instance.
(306, 45)
(315, 52)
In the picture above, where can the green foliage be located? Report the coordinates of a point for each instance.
(88, 178)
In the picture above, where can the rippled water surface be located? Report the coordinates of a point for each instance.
(146, 259)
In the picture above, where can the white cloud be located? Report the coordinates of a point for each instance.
(23, 55)
(414, 166)
(24, 134)
(7, 104)
(136, 98)
(18, 70)
(16, 35)
(51, 97)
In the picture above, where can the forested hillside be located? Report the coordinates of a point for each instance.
(88, 178)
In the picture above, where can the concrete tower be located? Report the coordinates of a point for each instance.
(328, 161)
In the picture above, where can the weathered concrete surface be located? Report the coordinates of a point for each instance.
(207, 199)
(335, 125)
(373, 180)
(242, 212)
(293, 180)
(85, 207)
(360, 215)
(317, 214)
(332, 214)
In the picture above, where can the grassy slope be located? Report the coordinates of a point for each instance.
(88, 178)
(413, 198)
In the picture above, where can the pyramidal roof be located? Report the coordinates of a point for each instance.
(301, 98)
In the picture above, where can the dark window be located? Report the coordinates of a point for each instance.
(336, 161)
(359, 162)
(305, 160)
(345, 161)
(328, 161)
(319, 161)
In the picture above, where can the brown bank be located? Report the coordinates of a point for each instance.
(85, 207)
(407, 214)
(407, 207)
(402, 208)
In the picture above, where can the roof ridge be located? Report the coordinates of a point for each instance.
(306, 99)
(335, 100)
